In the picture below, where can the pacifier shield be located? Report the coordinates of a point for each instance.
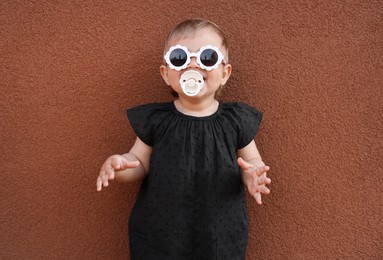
(191, 82)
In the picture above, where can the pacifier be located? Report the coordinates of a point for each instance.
(191, 82)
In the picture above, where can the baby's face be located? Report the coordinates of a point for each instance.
(214, 78)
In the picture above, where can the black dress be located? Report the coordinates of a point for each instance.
(192, 204)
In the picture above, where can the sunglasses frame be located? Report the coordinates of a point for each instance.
(221, 58)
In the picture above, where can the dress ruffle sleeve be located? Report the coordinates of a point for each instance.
(144, 120)
(246, 120)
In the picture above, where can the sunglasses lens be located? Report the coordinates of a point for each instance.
(178, 57)
(209, 57)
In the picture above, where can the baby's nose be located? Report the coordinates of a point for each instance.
(193, 63)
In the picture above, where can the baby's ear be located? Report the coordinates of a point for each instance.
(226, 74)
(164, 74)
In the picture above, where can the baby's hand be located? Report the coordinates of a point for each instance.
(112, 165)
(255, 179)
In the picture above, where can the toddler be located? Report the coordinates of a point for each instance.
(195, 156)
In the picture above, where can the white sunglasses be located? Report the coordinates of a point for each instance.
(208, 57)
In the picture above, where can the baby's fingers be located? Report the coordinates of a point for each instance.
(99, 183)
(125, 164)
(262, 180)
(109, 174)
(102, 180)
(122, 164)
(244, 165)
(261, 170)
(258, 195)
(258, 198)
(264, 190)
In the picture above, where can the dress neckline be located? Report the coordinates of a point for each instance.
(216, 113)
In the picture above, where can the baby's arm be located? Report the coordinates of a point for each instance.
(129, 167)
(253, 171)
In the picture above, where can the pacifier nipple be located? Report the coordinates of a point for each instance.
(191, 82)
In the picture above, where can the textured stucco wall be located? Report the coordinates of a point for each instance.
(69, 69)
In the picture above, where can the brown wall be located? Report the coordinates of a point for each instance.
(69, 70)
